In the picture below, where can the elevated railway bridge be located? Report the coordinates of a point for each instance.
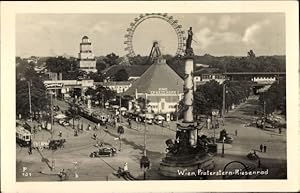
(260, 80)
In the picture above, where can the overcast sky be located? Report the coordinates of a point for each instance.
(216, 33)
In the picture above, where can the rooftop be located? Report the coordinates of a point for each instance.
(133, 70)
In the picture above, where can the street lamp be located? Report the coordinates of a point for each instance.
(145, 164)
(223, 146)
(145, 151)
(264, 119)
(120, 131)
(29, 98)
(52, 130)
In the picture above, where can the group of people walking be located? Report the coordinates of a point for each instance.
(263, 148)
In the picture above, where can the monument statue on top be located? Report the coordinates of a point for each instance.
(189, 50)
(190, 150)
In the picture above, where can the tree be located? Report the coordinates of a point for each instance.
(24, 70)
(90, 92)
(100, 65)
(27, 77)
(73, 112)
(212, 94)
(104, 94)
(125, 100)
(139, 60)
(59, 64)
(111, 59)
(121, 75)
(275, 97)
(97, 77)
(39, 101)
(251, 54)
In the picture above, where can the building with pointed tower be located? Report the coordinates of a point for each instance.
(87, 60)
(160, 85)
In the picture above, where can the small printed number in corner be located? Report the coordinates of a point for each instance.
(25, 173)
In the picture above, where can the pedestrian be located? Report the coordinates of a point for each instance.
(125, 168)
(60, 133)
(208, 123)
(106, 129)
(261, 147)
(30, 147)
(95, 128)
(236, 133)
(265, 148)
(279, 130)
(254, 154)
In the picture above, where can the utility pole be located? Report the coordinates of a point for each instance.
(29, 97)
(120, 103)
(103, 105)
(52, 130)
(145, 152)
(264, 119)
(223, 149)
(223, 103)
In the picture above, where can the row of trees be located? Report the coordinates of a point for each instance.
(103, 95)
(233, 64)
(274, 97)
(27, 78)
(210, 96)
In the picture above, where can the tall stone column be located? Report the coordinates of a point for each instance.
(188, 91)
(188, 117)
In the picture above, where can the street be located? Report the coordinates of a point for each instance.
(78, 148)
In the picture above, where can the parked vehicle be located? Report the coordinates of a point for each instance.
(63, 122)
(159, 119)
(104, 151)
(261, 122)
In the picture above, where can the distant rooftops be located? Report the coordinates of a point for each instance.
(114, 83)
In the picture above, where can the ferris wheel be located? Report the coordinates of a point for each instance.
(165, 17)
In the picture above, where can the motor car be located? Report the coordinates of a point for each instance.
(260, 123)
(63, 122)
(158, 121)
(66, 123)
(149, 121)
(104, 151)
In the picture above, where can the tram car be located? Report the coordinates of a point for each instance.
(23, 136)
(96, 117)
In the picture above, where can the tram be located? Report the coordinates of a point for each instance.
(23, 136)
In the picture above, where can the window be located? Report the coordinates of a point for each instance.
(162, 105)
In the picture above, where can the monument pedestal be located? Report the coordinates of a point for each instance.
(188, 154)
